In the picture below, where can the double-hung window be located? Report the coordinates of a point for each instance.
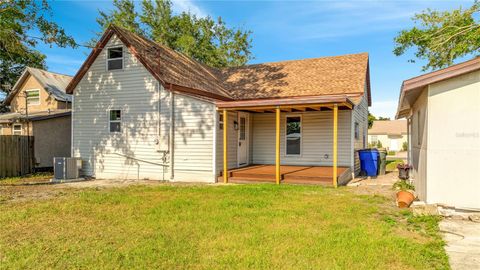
(115, 58)
(33, 96)
(293, 135)
(17, 129)
(115, 124)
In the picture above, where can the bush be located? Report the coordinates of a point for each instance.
(403, 185)
(379, 144)
(404, 146)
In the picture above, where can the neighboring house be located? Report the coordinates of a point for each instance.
(443, 112)
(39, 107)
(392, 134)
(143, 111)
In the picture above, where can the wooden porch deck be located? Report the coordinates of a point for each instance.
(289, 174)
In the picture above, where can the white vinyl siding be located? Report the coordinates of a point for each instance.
(194, 127)
(133, 91)
(143, 143)
(317, 139)
(360, 116)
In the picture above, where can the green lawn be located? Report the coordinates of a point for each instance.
(216, 227)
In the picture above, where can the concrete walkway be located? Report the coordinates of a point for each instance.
(462, 243)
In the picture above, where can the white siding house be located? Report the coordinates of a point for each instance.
(444, 120)
(142, 111)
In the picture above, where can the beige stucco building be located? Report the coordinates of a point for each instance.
(392, 134)
(39, 107)
(444, 118)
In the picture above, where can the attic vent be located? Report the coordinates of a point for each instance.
(115, 58)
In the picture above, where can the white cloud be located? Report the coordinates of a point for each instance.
(385, 108)
(188, 6)
(335, 19)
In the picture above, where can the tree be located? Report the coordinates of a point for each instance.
(442, 37)
(371, 118)
(206, 40)
(19, 20)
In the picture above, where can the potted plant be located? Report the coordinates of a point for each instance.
(404, 171)
(405, 195)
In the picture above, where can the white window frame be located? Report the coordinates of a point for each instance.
(301, 135)
(110, 59)
(13, 129)
(26, 97)
(115, 121)
(220, 121)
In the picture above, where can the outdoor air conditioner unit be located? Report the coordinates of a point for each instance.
(67, 168)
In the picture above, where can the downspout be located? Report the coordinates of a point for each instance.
(172, 132)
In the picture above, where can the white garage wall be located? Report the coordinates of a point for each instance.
(454, 142)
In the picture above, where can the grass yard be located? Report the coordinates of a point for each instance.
(216, 227)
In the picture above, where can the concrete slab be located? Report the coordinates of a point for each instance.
(462, 239)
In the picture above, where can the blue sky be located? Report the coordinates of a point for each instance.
(285, 30)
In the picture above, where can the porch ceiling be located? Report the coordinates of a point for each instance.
(288, 104)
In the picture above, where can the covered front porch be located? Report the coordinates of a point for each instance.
(316, 175)
(294, 140)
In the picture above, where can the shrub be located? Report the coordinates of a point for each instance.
(404, 146)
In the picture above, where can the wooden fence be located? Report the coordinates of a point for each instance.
(16, 155)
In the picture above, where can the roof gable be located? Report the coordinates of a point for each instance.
(54, 83)
(388, 127)
(412, 88)
(348, 74)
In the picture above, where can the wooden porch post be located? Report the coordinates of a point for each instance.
(277, 145)
(335, 142)
(225, 144)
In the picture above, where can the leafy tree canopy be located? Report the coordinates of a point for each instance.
(442, 37)
(206, 40)
(23, 24)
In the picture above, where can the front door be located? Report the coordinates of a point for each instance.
(242, 139)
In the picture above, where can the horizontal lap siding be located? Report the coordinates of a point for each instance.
(360, 115)
(132, 90)
(194, 127)
(317, 139)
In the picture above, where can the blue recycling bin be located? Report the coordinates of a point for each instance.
(369, 161)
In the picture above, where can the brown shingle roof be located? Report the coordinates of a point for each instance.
(389, 127)
(345, 74)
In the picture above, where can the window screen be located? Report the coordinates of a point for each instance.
(17, 130)
(115, 121)
(33, 97)
(115, 58)
(293, 135)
